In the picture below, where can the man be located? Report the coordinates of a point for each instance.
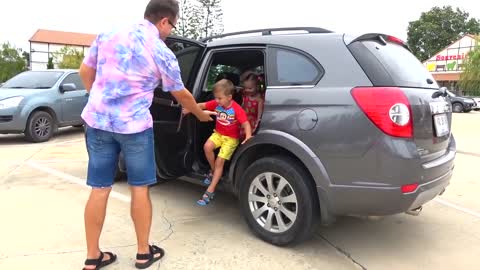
(121, 72)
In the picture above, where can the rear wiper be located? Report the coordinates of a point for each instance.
(442, 92)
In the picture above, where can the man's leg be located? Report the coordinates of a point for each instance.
(141, 212)
(138, 151)
(102, 161)
(95, 211)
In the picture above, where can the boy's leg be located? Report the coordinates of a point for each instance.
(212, 143)
(217, 174)
(102, 161)
(226, 151)
(208, 148)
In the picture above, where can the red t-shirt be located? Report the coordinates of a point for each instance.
(228, 119)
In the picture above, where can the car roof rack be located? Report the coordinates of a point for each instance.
(268, 32)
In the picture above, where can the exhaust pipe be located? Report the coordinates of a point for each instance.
(414, 212)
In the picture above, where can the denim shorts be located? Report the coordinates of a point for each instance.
(103, 149)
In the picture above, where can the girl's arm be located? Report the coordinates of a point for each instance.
(259, 111)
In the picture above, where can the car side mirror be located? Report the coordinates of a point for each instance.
(67, 87)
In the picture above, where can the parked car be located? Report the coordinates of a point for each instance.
(352, 125)
(476, 107)
(461, 104)
(36, 103)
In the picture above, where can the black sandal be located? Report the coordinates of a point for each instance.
(150, 257)
(99, 263)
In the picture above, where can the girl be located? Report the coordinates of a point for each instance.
(252, 101)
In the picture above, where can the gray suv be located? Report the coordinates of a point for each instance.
(352, 125)
(36, 103)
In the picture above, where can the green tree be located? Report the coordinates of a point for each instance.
(470, 77)
(11, 62)
(188, 24)
(68, 57)
(212, 18)
(199, 19)
(50, 64)
(438, 28)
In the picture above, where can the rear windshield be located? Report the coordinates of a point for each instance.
(391, 65)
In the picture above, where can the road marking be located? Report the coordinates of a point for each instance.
(468, 153)
(74, 179)
(457, 207)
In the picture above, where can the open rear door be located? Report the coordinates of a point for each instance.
(173, 137)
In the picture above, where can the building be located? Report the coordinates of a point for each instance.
(447, 65)
(44, 43)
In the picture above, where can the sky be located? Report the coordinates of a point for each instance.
(21, 18)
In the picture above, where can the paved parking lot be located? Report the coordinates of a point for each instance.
(42, 195)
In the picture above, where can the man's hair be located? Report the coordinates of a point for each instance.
(225, 86)
(159, 9)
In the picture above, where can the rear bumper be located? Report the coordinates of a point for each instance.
(365, 200)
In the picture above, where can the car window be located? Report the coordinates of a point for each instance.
(75, 79)
(292, 68)
(34, 80)
(391, 64)
(186, 54)
(216, 71)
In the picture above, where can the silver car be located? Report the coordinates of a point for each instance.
(36, 103)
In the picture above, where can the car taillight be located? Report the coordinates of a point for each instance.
(395, 40)
(409, 188)
(387, 107)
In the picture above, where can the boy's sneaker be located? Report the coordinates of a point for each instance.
(206, 182)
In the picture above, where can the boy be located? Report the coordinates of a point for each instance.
(230, 116)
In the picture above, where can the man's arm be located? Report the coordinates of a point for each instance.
(87, 74)
(185, 98)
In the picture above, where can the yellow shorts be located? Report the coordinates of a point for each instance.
(227, 145)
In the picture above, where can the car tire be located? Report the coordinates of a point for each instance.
(78, 126)
(40, 127)
(457, 107)
(279, 223)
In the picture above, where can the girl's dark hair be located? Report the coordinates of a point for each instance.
(159, 9)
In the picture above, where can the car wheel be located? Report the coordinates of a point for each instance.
(457, 107)
(278, 200)
(78, 126)
(40, 127)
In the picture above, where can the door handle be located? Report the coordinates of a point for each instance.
(68, 99)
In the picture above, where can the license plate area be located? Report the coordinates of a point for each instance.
(440, 122)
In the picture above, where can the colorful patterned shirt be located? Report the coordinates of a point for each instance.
(130, 63)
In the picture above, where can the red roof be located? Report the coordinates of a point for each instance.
(63, 38)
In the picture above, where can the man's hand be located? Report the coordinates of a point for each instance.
(204, 117)
(185, 98)
(185, 111)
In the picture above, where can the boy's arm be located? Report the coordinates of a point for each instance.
(248, 131)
